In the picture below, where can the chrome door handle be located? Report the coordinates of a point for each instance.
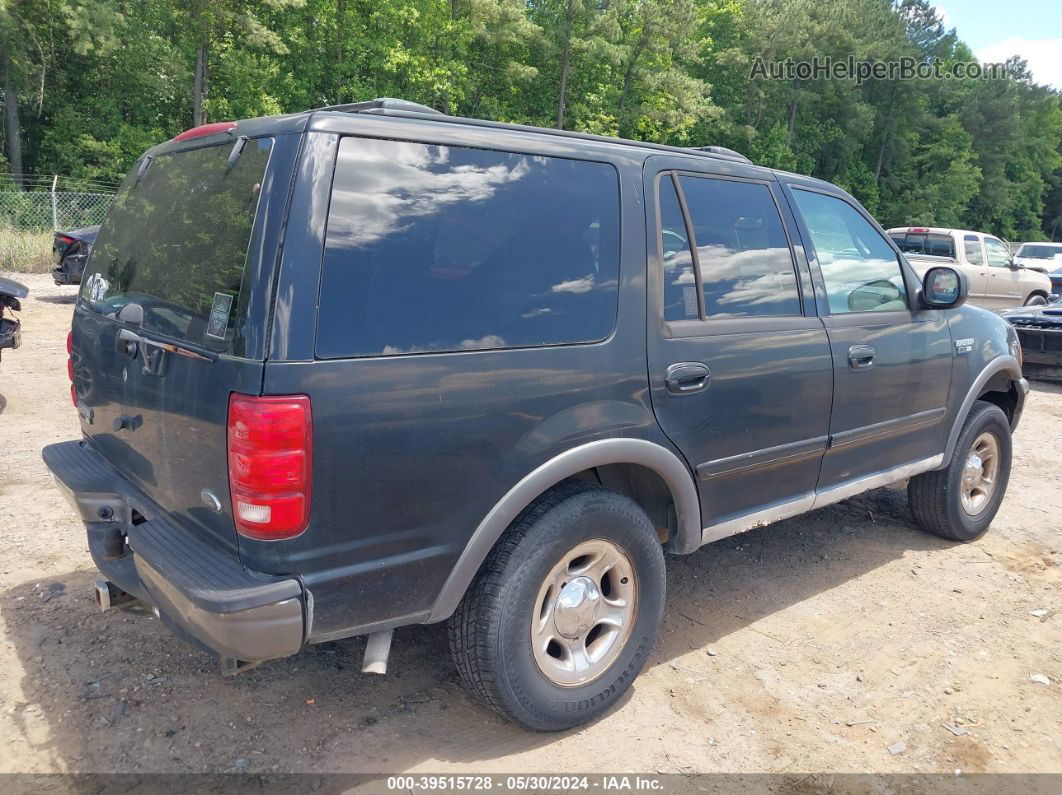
(861, 357)
(685, 378)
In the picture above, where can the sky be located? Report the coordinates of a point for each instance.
(995, 31)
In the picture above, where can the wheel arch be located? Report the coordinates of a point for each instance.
(613, 456)
(997, 383)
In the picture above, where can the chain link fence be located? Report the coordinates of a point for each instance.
(55, 203)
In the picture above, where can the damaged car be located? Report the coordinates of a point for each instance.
(11, 293)
(1040, 333)
(71, 251)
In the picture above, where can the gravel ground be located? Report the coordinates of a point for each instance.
(813, 644)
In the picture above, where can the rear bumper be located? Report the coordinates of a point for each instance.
(200, 590)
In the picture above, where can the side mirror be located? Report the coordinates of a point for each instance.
(1014, 265)
(944, 288)
(877, 295)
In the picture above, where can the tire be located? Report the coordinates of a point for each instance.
(491, 632)
(937, 498)
(1035, 300)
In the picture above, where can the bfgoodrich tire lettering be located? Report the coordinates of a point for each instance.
(936, 498)
(491, 631)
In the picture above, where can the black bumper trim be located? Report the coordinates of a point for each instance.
(199, 587)
(208, 577)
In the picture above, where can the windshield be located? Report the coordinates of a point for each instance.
(170, 256)
(1039, 251)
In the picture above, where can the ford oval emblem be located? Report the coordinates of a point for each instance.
(210, 500)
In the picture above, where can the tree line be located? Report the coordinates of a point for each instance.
(89, 84)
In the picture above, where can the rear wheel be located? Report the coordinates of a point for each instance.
(960, 501)
(565, 610)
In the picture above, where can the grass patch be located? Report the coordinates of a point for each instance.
(25, 250)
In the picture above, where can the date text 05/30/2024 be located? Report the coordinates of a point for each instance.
(610, 783)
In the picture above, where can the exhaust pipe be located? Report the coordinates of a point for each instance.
(109, 596)
(377, 650)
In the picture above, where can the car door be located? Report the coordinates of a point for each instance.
(1004, 282)
(892, 362)
(975, 267)
(739, 365)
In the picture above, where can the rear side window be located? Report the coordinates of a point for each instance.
(742, 249)
(972, 246)
(445, 248)
(680, 283)
(170, 256)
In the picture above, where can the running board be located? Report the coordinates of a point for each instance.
(817, 499)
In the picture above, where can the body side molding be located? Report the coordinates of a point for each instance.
(769, 457)
(599, 453)
(868, 434)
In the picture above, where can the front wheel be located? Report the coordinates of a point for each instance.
(960, 501)
(565, 610)
(1035, 300)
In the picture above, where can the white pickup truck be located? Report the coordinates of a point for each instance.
(996, 280)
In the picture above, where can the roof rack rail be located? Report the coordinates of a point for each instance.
(720, 150)
(391, 106)
(382, 105)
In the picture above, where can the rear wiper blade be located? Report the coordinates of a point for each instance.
(142, 170)
(234, 155)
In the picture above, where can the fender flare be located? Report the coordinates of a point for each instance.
(1000, 364)
(598, 453)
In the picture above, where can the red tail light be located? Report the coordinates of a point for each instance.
(70, 365)
(270, 464)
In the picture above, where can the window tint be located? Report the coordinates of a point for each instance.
(746, 266)
(443, 248)
(1040, 251)
(972, 247)
(934, 244)
(998, 254)
(859, 268)
(170, 256)
(680, 285)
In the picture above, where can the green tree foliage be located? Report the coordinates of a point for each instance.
(89, 84)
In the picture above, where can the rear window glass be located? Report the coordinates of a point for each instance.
(170, 256)
(936, 245)
(445, 248)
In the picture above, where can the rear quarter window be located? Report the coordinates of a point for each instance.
(445, 248)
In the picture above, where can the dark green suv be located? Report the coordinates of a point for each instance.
(370, 366)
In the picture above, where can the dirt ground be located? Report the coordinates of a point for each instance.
(810, 645)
